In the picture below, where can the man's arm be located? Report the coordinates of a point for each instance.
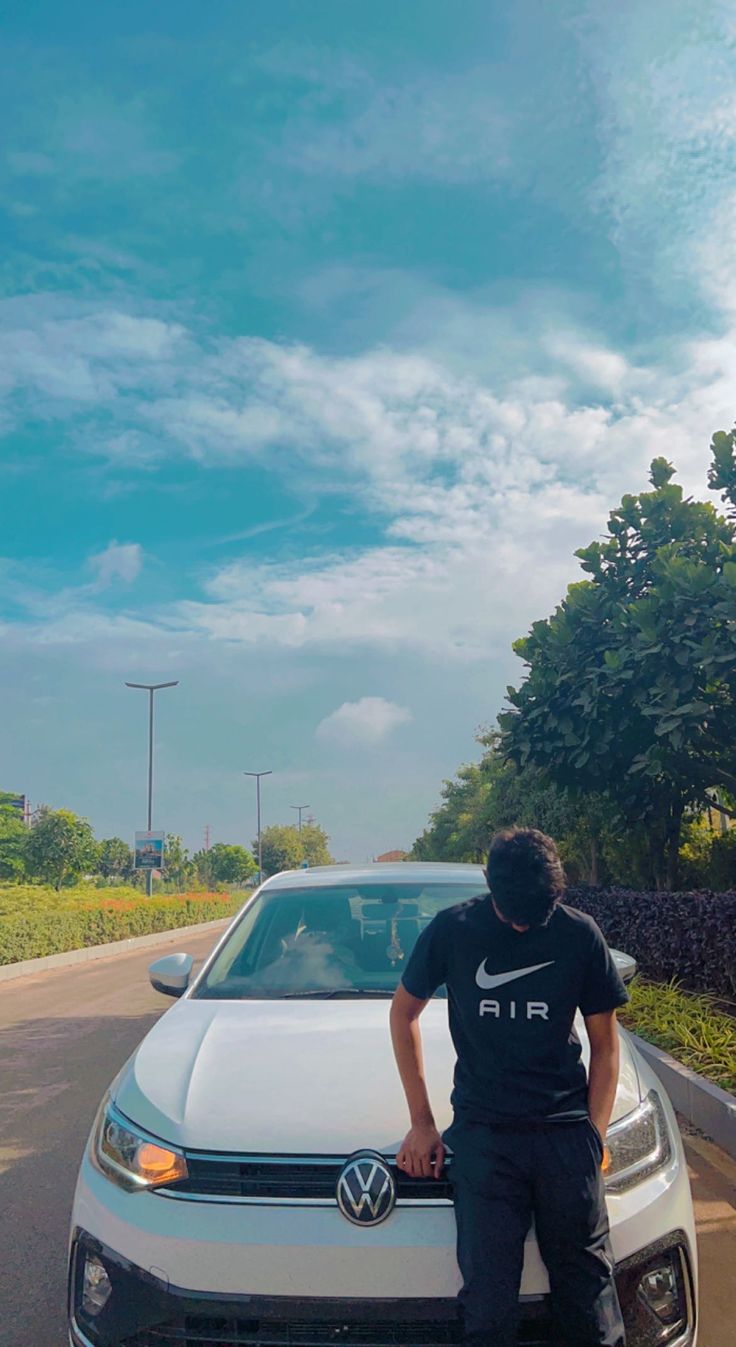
(422, 1153)
(604, 1066)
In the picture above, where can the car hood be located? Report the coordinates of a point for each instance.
(280, 1077)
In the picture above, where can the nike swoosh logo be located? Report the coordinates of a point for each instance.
(487, 981)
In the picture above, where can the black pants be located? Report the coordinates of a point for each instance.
(503, 1179)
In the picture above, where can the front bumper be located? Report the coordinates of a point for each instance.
(144, 1310)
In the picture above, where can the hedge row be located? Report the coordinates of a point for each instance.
(687, 936)
(17, 900)
(33, 935)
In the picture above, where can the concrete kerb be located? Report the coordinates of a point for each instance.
(708, 1107)
(76, 956)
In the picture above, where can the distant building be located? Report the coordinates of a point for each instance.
(394, 856)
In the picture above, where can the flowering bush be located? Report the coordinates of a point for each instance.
(38, 921)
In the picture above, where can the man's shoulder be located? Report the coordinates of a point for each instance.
(468, 912)
(576, 923)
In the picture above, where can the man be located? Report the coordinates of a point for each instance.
(528, 1129)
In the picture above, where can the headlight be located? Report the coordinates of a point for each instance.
(637, 1145)
(130, 1157)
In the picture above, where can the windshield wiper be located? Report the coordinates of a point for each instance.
(333, 993)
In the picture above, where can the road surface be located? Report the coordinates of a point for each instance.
(63, 1035)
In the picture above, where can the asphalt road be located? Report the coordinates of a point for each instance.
(63, 1036)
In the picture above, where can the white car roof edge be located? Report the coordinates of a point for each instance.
(381, 872)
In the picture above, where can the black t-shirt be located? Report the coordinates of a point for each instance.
(512, 1000)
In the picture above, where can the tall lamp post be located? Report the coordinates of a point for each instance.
(151, 688)
(258, 776)
(300, 808)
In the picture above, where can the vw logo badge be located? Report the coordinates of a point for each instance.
(366, 1192)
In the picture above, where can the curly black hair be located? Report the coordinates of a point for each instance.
(525, 875)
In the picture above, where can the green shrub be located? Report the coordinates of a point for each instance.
(31, 898)
(31, 930)
(691, 1027)
(688, 937)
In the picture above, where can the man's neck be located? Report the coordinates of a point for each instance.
(514, 926)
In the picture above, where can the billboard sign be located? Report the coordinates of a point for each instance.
(15, 802)
(149, 851)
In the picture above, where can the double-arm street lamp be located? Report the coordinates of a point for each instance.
(151, 688)
(300, 808)
(258, 776)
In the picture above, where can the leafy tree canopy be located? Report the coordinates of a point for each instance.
(631, 685)
(60, 848)
(495, 794)
(177, 861)
(13, 837)
(315, 844)
(281, 847)
(115, 858)
(225, 864)
(285, 848)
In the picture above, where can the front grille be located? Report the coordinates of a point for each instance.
(221, 1331)
(264, 1179)
(199, 1331)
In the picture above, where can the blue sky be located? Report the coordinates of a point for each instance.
(327, 333)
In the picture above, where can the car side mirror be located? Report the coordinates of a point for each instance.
(171, 975)
(625, 965)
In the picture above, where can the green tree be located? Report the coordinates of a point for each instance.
(225, 864)
(13, 837)
(457, 829)
(282, 848)
(60, 848)
(631, 684)
(722, 474)
(115, 859)
(315, 844)
(495, 794)
(177, 861)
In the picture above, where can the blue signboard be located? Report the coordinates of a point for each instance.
(149, 851)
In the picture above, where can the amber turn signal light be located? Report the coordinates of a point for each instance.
(156, 1165)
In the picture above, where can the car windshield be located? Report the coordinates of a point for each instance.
(348, 940)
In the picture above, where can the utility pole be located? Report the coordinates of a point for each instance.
(258, 776)
(151, 688)
(300, 809)
(206, 836)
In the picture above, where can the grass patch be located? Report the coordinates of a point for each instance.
(688, 1025)
(37, 921)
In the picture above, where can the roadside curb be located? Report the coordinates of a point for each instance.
(706, 1106)
(70, 957)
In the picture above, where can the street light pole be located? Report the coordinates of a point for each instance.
(258, 776)
(300, 808)
(151, 688)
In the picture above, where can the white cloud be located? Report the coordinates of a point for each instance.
(367, 722)
(662, 75)
(481, 483)
(433, 125)
(484, 491)
(449, 129)
(119, 561)
(57, 352)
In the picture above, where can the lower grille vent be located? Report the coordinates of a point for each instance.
(216, 1331)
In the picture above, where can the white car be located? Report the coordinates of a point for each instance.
(239, 1185)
